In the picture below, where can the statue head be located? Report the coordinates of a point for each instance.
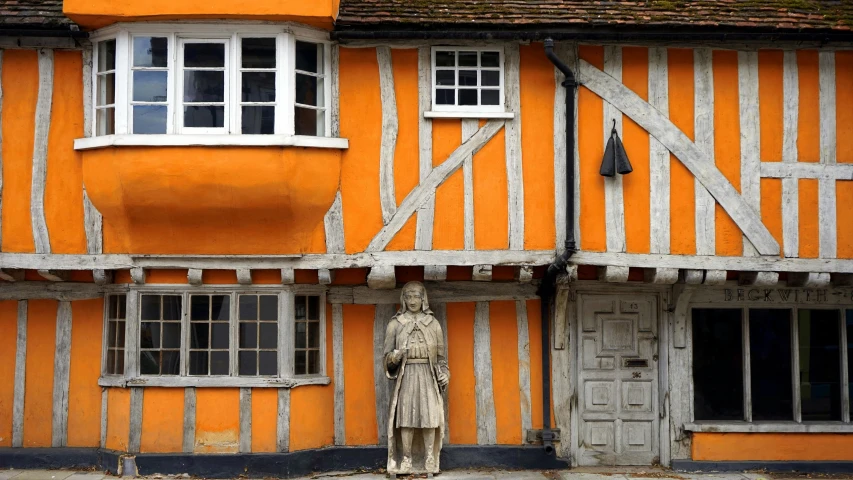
(413, 298)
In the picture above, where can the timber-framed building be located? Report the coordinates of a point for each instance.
(208, 211)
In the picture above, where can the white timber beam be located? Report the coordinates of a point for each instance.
(437, 273)
(808, 280)
(613, 274)
(102, 277)
(288, 276)
(524, 274)
(715, 277)
(661, 276)
(682, 293)
(55, 275)
(137, 274)
(194, 276)
(482, 273)
(325, 276)
(382, 277)
(758, 279)
(244, 276)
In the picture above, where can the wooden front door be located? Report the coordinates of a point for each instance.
(617, 380)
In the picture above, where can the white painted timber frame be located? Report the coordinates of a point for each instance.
(286, 35)
(469, 111)
(286, 318)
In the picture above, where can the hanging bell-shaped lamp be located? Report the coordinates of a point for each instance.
(615, 159)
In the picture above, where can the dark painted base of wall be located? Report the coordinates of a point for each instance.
(787, 466)
(284, 465)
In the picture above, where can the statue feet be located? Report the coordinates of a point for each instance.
(406, 465)
(429, 464)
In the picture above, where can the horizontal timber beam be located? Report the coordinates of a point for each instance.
(439, 292)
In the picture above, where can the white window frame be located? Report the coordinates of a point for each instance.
(500, 108)
(286, 345)
(231, 33)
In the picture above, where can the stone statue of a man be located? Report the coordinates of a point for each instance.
(415, 356)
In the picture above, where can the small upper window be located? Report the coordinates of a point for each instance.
(254, 82)
(467, 80)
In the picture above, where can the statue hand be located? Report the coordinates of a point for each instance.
(443, 380)
(398, 355)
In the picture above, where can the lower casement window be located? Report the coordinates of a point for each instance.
(772, 364)
(207, 335)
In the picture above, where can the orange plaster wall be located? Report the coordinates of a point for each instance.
(844, 194)
(406, 160)
(217, 420)
(449, 227)
(593, 235)
(163, 419)
(460, 359)
(8, 349)
(537, 146)
(38, 396)
(118, 418)
(63, 202)
(491, 205)
(682, 184)
(772, 446)
(84, 394)
(808, 149)
(20, 93)
(844, 107)
(636, 186)
(504, 342)
(264, 419)
(359, 391)
(361, 123)
(770, 106)
(808, 218)
(729, 239)
(311, 423)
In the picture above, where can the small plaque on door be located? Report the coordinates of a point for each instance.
(635, 363)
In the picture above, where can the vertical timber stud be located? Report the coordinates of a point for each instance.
(704, 134)
(282, 430)
(439, 311)
(387, 198)
(245, 420)
(92, 219)
(135, 430)
(189, 420)
(61, 375)
(20, 377)
(338, 358)
(469, 128)
(334, 223)
(562, 384)
(826, 186)
(560, 155)
(613, 194)
(484, 393)
(750, 136)
(104, 412)
(426, 214)
(1, 144)
(659, 162)
(523, 366)
(515, 180)
(382, 384)
(790, 186)
(42, 131)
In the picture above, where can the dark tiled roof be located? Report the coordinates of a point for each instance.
(33, 15)
(768, 15)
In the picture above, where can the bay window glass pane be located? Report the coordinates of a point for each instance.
(309, 90)
(820, 364)
(207, 116)
(268, 363)
(258, 53)
(445, 59)
(149, 85)
(150, 52)
(106, 94)
(149, 119)
(258, 87)
(717, 364)
(309, 57)
(850, 356)
(106, 118)
(309, 122)
(269, 308)
(106, 55)
(258, 120)
(770, 364)
(204, 55)
(204, 86)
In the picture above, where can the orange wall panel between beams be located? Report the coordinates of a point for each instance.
(93, 15)
(449, 226)
(844, 107)
(491, 194)
(462, 403)
(770, 106)
(84, 394)
(311, 423)
(729, 240)
(217, 420)
(118, 418)
(38, 397)
(593, 235)
(406, 159)
(226, 200)
(63, 202)
(359, 391)
(361, 123)
(682, 184)
(264, 419)
(20, 93)
(163, 420)
(504, 342)
(8, 349)
(637, 185)
(844, 194)
(772, 446)
(537, 145)
(808, 116)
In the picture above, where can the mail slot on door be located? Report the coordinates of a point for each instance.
(635, 363)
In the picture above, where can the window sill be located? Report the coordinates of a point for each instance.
(209, 141)
(236, 382)
(769, 427)
(472, 114)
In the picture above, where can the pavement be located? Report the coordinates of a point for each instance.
(645, 473)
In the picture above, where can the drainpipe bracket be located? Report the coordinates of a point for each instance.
(535, 436)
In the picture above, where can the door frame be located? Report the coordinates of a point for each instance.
(567, 418)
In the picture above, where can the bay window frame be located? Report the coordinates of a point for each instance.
(231, 33)
(486, 111)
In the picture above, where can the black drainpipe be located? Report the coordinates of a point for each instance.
(547, 287)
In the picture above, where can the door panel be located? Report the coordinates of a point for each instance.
(618, 380)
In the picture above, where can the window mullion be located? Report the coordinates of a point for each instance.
(284, 82)
(286, 345)
(185, 334)
(233, 341)
(122, 79)
(234, 74)
(747, 368)
(795, 367)
(174, 84)
(131, 335)
(322, 308)
(327, 88)
(845, 374)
